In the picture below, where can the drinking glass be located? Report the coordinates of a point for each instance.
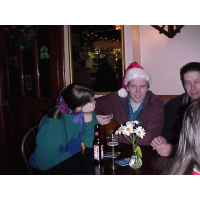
(112, 142)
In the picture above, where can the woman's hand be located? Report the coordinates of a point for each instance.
(89, 107)
(87, 111)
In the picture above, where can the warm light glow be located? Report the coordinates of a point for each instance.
(117, 27)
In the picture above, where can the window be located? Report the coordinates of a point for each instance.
(44, 53)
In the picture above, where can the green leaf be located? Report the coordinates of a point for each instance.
(138, 151)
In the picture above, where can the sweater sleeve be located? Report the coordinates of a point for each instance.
(88, 132)
(48, 142)
(103, 104)
(110, 104)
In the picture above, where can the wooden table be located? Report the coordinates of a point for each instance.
(83, 164)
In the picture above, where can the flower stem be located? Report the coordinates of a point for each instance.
(128, 139)
(133, 140)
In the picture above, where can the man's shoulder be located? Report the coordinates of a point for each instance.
(178, 99)
(154, 97)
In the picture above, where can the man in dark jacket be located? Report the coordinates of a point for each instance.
(134, 102)
(175, 109)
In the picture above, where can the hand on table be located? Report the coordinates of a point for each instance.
(158, 140)
(164, 149)
(161, 146)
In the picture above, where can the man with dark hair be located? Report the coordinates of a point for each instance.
(175, 109)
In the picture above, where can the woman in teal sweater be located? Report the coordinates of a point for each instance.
(65, 127)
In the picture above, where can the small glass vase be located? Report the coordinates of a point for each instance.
(135, 161)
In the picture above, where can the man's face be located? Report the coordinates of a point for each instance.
(192, 84)
(137, 89)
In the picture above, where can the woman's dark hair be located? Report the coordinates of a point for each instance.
(54, 113)
(192, 66)
(74, 95)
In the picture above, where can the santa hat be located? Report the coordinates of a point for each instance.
(133, 71)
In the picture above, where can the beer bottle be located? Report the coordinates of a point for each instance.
(98, 145)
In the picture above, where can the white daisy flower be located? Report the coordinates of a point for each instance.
(128, 129)
(130, 125)
(135, 122)
(119, 130)
(140, 132)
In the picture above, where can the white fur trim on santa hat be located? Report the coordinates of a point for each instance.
(122, 92)
(137, 73)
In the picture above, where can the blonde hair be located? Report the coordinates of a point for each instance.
(188, 152)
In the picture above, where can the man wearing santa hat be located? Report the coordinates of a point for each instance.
(134, 101)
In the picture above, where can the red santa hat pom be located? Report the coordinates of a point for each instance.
(133, 71)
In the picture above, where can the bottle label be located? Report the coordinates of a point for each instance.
(101, 151)
(96, 152)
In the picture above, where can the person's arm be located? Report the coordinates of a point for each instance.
(87, 111)
(88, 131)
(170, 122)
(165, 149)
(104, 104)
(110, 105)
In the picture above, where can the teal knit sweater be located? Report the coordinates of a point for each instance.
(59, 139)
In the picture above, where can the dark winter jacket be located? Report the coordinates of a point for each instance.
(151, 117)
(174, 113)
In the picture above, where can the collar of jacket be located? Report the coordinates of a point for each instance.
(146, 106)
